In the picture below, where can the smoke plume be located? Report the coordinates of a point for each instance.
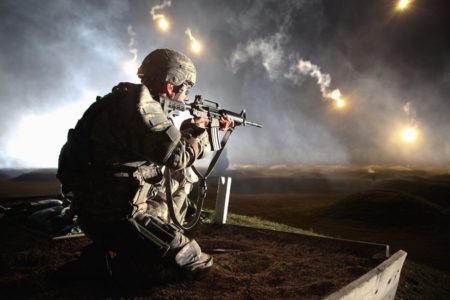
(131, 65)
(410, 113)
(154, 9)
(132, 44)
(270, 54)
(323, 79)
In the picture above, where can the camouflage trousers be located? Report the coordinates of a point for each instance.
(152, 198)
(144, 240)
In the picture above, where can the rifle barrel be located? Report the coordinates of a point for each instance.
(253, 124)
(182, 106)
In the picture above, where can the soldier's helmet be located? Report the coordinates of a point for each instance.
(168, 66)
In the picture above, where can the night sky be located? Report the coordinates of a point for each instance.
(392, 68)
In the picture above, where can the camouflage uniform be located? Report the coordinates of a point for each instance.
(112, 164)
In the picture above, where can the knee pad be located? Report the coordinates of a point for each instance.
(162, 235)
(173, 245)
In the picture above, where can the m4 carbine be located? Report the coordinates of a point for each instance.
(203, 108)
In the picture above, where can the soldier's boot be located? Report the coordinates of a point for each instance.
(193, 262)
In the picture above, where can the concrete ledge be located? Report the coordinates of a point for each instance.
(379, 283)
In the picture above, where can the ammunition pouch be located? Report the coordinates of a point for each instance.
(149, 173)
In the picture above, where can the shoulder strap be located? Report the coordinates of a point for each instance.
(202, 187)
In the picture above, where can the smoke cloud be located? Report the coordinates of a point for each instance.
(276, 59)
(54, 54)
(267, 50)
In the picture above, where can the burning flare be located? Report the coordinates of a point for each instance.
(409, 135)
(403, 4)
(163, 24)
(336, 96)
(161, 20)
(340, 103)
(196, 46)
(323, 80)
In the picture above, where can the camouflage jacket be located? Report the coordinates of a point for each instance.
(126, 128)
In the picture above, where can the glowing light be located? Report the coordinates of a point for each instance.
(340, 103)
(403, 4)
(196, 46)
(163, 23)
(130, 67)
(336, 96)
(38, 138)
(409, 135)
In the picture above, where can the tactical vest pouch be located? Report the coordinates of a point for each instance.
(151, 173)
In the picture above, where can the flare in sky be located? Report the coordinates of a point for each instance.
(323, 80)
(403, 4)
(195, 46)
(409, 135)
(160, 19)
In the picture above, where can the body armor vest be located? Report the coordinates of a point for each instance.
(120, 129)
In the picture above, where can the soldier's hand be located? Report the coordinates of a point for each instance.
(226, 122)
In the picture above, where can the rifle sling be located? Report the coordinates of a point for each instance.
(201, 187)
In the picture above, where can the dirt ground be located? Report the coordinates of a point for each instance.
(248, 264)
(321, 199)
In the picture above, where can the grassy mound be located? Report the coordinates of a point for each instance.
(388, 208)
(37, 175)
(435, 189)
(9, 173)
